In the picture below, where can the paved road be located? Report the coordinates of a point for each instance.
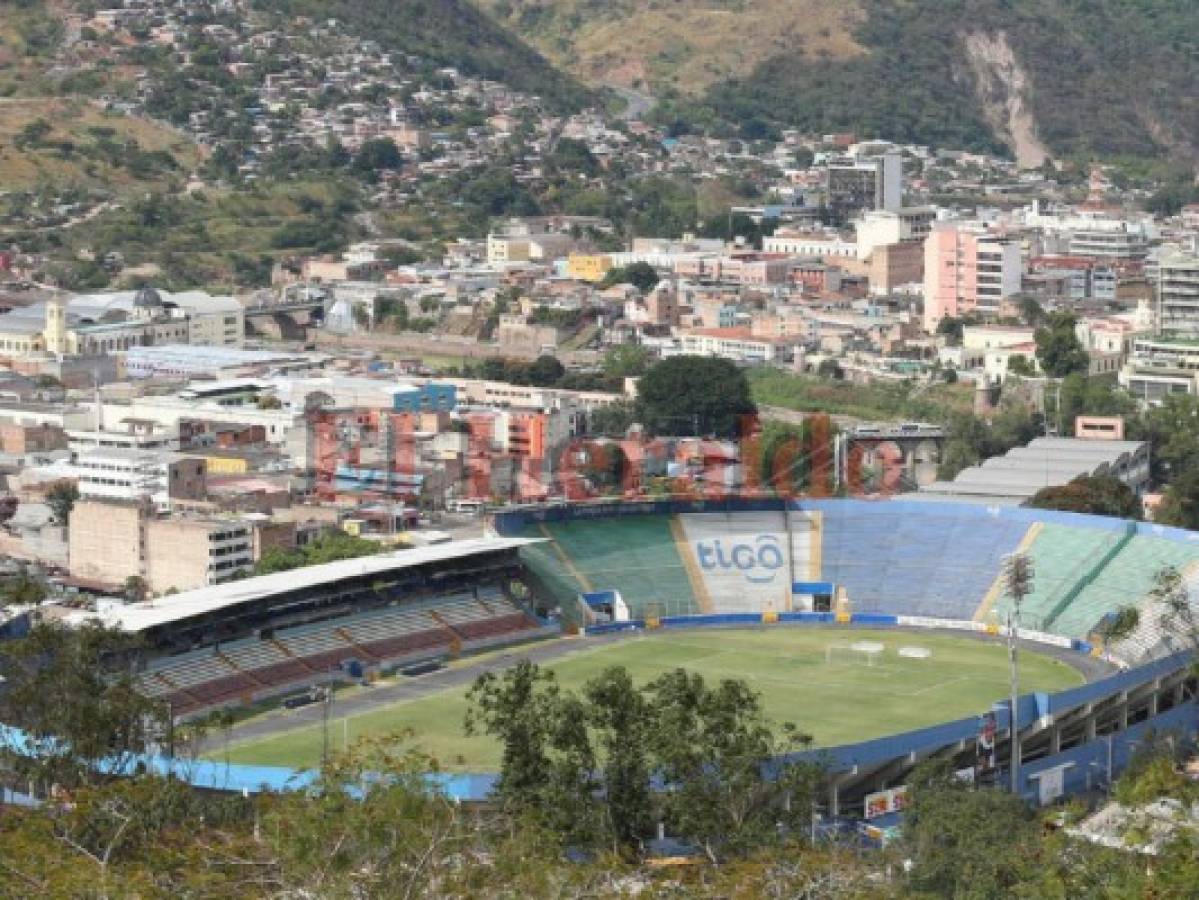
(637, 103)
(795, 417)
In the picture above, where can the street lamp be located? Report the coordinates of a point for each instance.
(1017, 576)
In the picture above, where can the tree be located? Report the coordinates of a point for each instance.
(1178, 617)
(1031, 310)
(1082, 396)
(618, 715)
(136, 589)
(731, 785)
(1058, 349)
(61, 499)
(792, 458)
(641, 275)
(1117, 625)
(968, 842)
(830, 368)
(371, 826)
(375, 155)
(71, 691)
(1099, 495)
(970, 439)
(613, 420)
(1180, 503)
(331, 546)
(572, 156)
(605, 465)
(545, 371)
(696, 395)
(626, 361)
(1019, 365)
(1172, 430)
(23, 590)
(952, 327)
(519, 709)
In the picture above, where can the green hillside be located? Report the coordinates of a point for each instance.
(1107, 77)
(1071, 77)
(448, 33)
(681, 45)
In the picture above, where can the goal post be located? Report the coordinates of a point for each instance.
(867, 653)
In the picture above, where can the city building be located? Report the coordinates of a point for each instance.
(1178, 293)
(96, 324)
(854, 185)
(111, 473)
(112, 541)
(1160, 366)
(967, 271)
(737, 344)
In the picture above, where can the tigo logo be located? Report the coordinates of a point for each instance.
(758, 561)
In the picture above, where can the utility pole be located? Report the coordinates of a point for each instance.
(1017, 575)
(326, 703)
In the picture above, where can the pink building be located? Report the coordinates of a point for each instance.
(967, 271)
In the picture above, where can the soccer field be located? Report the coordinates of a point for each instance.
(839, 701)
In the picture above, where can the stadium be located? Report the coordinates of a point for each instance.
(875, 626)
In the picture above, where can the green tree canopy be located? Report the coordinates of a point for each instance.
(1180, 504)
(627, 360)
(72, 692)
(694, 394)
(967, 842)
(329, 547)
(61, 499)
(641, 275)
(1100, 495)
(1058, 349)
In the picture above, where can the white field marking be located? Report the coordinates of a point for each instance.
(943, 684)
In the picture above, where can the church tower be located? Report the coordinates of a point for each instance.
(55, 332)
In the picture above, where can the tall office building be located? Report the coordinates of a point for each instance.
(967, 271)
(853, 186)
(1178, 293)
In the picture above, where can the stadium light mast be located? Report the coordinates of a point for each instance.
(1017, 575)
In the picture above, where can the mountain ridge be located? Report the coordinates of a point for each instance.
(1076, 78)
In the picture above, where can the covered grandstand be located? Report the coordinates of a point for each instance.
(249, 640)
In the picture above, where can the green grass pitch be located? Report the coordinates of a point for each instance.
(837, 702)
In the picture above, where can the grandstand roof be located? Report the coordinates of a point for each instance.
(179, 607)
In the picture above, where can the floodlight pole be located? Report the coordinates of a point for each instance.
(1014, 743)
(1018, 572)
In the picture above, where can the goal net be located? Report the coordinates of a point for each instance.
(859, 653)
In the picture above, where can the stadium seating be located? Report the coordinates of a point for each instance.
(297, 655)
(1063, 558)
(898, 558)
(892, 557)
(1126, 580)
(636, 555)
(1156, 635)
